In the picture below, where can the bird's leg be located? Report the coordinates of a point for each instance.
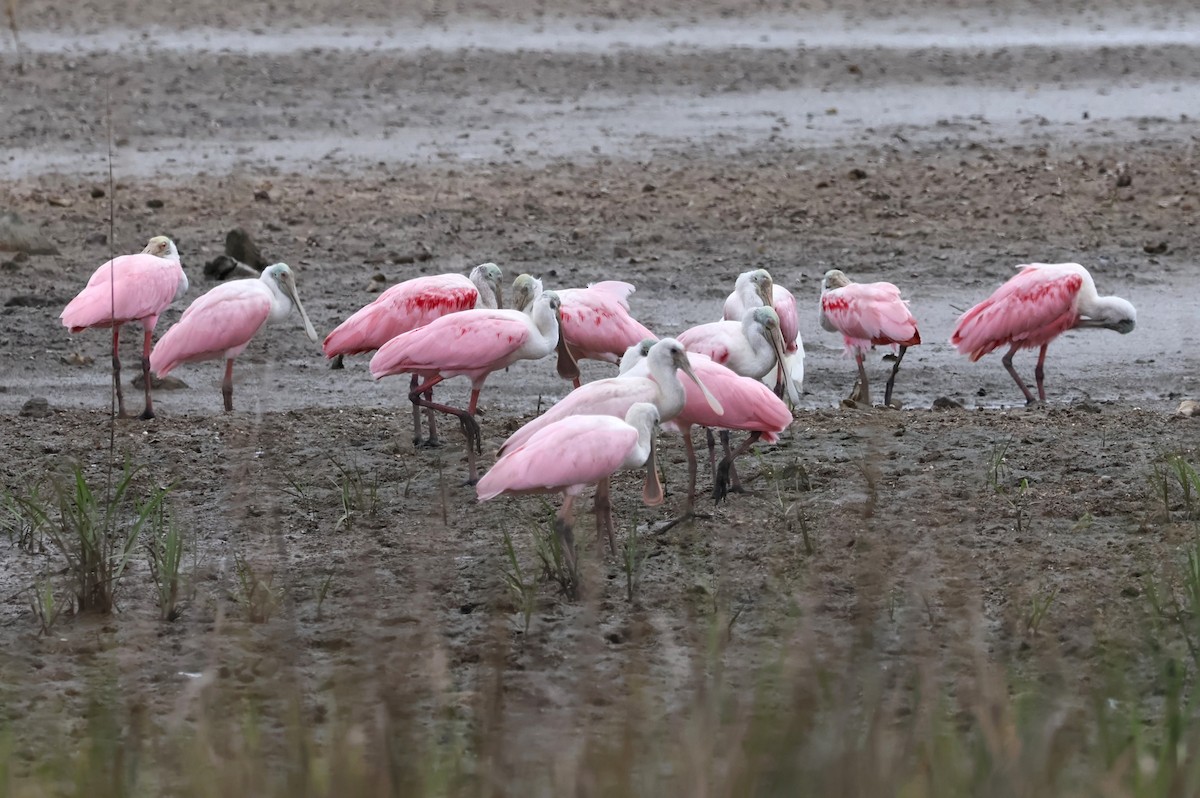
(575, 383)
(148, 412)
(432, 442)
(862, 391)
(1039, 373)
(470, 426)
(689, 504)
(887, 392)
(712, 450)
(473, 407)
(227, 386)
(719, 486)
(735, 484)
(604, 519)
(566, 538)
(116, 363)
(1007, 361)
(412, 386)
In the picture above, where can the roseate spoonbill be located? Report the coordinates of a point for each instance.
(596, 320)
(755, 289)
(867, 315)
(751, 347)
(574, 452)
(411, 304)
(145, 284)
(1034, 307)
(747, 405)
(221, 323)
(473, 343)
(658, 385)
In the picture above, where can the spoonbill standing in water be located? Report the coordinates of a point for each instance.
(130, 288)
(221, 323)
(1034, 307)
(409, 305)
(473, 343)
(867, 315)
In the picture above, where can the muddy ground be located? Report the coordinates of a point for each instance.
(674, 166)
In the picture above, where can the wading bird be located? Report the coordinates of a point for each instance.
(409, 305)
(130, 288)
(221, 323)
(755, 289)
(574, 452)
(596, 321)
(746, 405)
(752, 347)
(1034, 307)
(867, 315)
(473, 343)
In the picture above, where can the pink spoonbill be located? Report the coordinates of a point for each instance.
(751, 347)
(596, 321)
(755, 289)
(130, 288)
(747, 404)
(1034, 307)
(409, 305)
(867, 315)
(574, 452)
(473, 343)
(221, 323)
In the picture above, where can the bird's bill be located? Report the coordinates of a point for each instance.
(686, 368)
(289, 286)
(766, 292)
(781, 359)
(499, 292)
(567, 366)
(652, 490)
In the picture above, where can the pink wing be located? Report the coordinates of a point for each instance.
(145, 286)
(789, 319)
(749, 405)
(712, 339)
(870, 314)
(1030, 309)
(578, 450)
(217, 325)
(403, 307)
(596, 321)
(468, 342)
(609, 397)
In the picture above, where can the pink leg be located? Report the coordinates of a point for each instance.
(148, 413)
(116, 364)
(575, 383)
(1007, 361)
(689, 505)
(604, 519)
(227, 386)
(470, 427)
(735, 483)
(473, 407)
(862, 391)
(562, 527)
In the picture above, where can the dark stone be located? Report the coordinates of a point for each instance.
(38, 407)
(224, 267)
(159, 383)
(946, 403)
(1156, 248)
(154, 203)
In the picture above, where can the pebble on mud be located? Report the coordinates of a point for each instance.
(1188, 408)
(946, 403)
(37, 407)
(159, 383)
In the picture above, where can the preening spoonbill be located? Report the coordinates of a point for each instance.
(595, 320)
(473, 343)
(409, 305)
(755, 289)
(1034, 307)
(130, 288)
(221, 323)
(751, 347)
(574, 452)
(867, 315)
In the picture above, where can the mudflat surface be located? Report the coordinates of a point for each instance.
(935, 148)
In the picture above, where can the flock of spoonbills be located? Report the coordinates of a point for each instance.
(437, 327)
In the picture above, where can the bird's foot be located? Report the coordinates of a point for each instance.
(427, 443)
(469, 482)
(147, 414)
(690, 515)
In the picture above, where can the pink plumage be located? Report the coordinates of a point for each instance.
(748, 404)
(472, 343)
(403, 307)
(1034, 307)
(568, 455)
(870, 314)
(219, 324)
(596, 321)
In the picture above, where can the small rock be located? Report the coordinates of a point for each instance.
(154, 203)
(76, 359)
(38, 407)
(262, 195)
(1156, 248)
(159, 383)
(96, 239)
(1188, 408)
(98, 192)
(60, 202)
(946, 403)
(649, 188)
(378, 283)
(858, 174)
(241, 247)
(621, 251)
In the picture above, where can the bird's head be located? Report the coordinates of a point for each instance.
(525, 289)
(834, 278)
(162, 247)
(636, 353)
(280, 275)
(489, 274)
(762, 284)
(1112, 313)
(671, 352)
